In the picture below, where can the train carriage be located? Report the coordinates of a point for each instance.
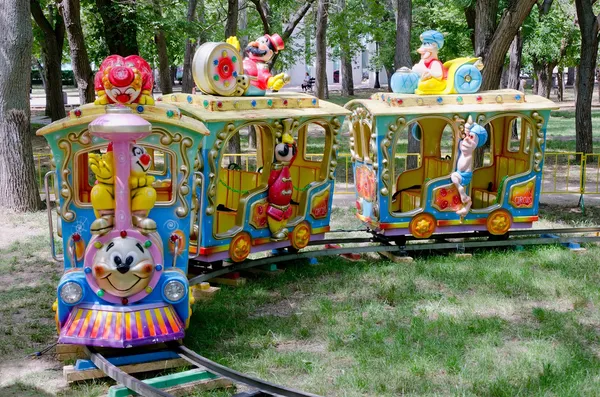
(399, 194)
(125, 274)
(233, 207)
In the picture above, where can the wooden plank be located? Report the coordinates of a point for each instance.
(396, 258)
(463, 255)
(204, 293)
(238, 282)
(72, 375)
(179, 384)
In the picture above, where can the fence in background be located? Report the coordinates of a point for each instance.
(564, 172)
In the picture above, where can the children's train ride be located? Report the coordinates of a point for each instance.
(143, 187)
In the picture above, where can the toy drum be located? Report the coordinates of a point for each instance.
(217, 69)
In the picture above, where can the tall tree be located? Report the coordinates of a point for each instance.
(232, 18)
(187, 82)
(165, 79)
(321, 89)
(53, 29)
(590, 30)
(18, 186)
(71, 12)
(403, 25)
(119, 25)
(514, 64)
(493, 35)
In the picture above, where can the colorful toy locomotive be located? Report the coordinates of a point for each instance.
(125, 180)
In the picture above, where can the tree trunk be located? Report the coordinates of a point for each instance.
(71, 12)
(252, 137)
(52, 46)
(543, 72)
(493, 41)
(588, 24)
(403, 25)
(570, 76)
(120, 26)
(561, 84)
(321, 88)
(232, 18)
(514, 66)
(18, 184)
(346, 60)
(187, 81)
(243, 23)
(164, 70)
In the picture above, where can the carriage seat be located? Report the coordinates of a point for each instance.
(410, 196)
(504, 166)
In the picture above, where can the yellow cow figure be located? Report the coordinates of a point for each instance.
(143, 195)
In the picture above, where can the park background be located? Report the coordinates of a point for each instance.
(500, 323)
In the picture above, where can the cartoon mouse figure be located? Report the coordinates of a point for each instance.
(475, 137)
(279, 197)
(258, 54)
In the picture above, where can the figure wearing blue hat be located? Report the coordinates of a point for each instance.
(475, 136)
(430, 68)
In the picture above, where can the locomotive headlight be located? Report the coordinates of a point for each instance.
(71, 292)
(174, 291)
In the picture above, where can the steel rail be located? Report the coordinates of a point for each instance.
(385, 246)
(122, 377)
(239, 377)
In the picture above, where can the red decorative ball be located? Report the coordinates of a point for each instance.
(443, 192)
(219, 104)
(285, 102)
(174, 237)
(479, 98)
(124, 301)
(77, 112)
(76, 237)
(400, 101)
(444, 204)
(123, 233)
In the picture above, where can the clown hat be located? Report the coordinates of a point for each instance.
(481, 134)
(433, 37)
(276, 41)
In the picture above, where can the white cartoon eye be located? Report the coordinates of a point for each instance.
(137, 151)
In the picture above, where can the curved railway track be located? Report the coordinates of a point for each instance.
(377, 243)
(263, 388)
(405, 244)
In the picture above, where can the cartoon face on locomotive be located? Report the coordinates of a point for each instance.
(416, 169)
(123, 184)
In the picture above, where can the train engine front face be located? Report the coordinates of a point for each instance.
(123, 295)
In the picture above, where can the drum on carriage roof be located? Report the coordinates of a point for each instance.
(234, 204)
(405, 185)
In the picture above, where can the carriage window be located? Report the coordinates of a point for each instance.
(514, 139)
(447, 143)
(98, 159)
(315, 137)
(360, 130)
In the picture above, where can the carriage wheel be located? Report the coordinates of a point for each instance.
(498, 222)
(422, 225)
(300, 236)
(216, 68)
(239, 247)
(467, 79)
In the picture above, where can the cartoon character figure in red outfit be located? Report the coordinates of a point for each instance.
(258, 54)
(279, 198)
(124, 80)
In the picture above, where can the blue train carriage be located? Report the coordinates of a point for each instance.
(242, 202)
(124, 178)
(399, 193)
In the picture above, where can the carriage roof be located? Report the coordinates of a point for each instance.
(490, 101)
(211, 108)
(161, 112)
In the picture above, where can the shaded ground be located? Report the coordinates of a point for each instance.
(501, 323)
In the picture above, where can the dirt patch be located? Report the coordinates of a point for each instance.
(284, 308)
(301, 346)
(44, 373)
